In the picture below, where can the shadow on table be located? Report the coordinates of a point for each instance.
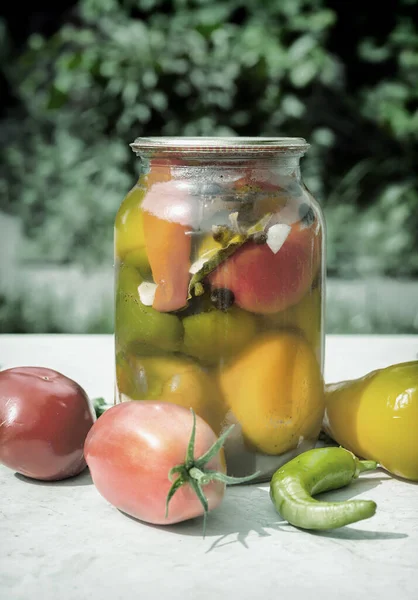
(242, 512)
(246, 510)
(352, 491)
(402, 479)
(83, 478)
(350, 533)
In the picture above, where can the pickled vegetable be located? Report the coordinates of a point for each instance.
(275, 391)
(138, 258)
(129, 225)
(305, 316)
(270, 277)
(230, 239)
(129, 229)
(138, 323)
(168, 248)
(218, 335)
(172, 379)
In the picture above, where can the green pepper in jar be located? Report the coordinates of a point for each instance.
(217, 334)
(136, 322)
(129, 228)
(138, 258)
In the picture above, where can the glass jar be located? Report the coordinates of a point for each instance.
(219, 258)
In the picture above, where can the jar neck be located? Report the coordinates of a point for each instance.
(186, 166)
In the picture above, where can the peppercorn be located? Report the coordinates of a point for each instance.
(222, 298)
(260, 237)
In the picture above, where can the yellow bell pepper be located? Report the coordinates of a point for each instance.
(305, 316)
(275, 390)
(376, 417)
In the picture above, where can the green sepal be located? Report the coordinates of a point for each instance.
(194, 473)
(214, 449)
(176, 485)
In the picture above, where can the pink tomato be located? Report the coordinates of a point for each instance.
(134, 447)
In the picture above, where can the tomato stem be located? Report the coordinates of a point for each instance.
(200, 476)
(211, 475)
(203, 500)
(194, 473)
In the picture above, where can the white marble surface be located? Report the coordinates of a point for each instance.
(62, 541)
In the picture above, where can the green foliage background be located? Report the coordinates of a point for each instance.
(329, 71)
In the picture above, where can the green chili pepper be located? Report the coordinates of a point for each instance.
(315, 471)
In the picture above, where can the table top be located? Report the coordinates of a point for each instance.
(63, 541)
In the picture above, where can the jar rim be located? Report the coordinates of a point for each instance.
(232, 146)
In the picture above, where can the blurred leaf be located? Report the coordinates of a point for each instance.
(371, 53)
(303, 73)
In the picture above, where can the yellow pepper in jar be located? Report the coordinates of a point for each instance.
(178, 380)
(275, 391)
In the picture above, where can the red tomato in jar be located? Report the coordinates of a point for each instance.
(264, 281)
(130, 451)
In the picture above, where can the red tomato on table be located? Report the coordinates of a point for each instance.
(44, 421)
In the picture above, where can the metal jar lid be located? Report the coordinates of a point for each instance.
(234, 147)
